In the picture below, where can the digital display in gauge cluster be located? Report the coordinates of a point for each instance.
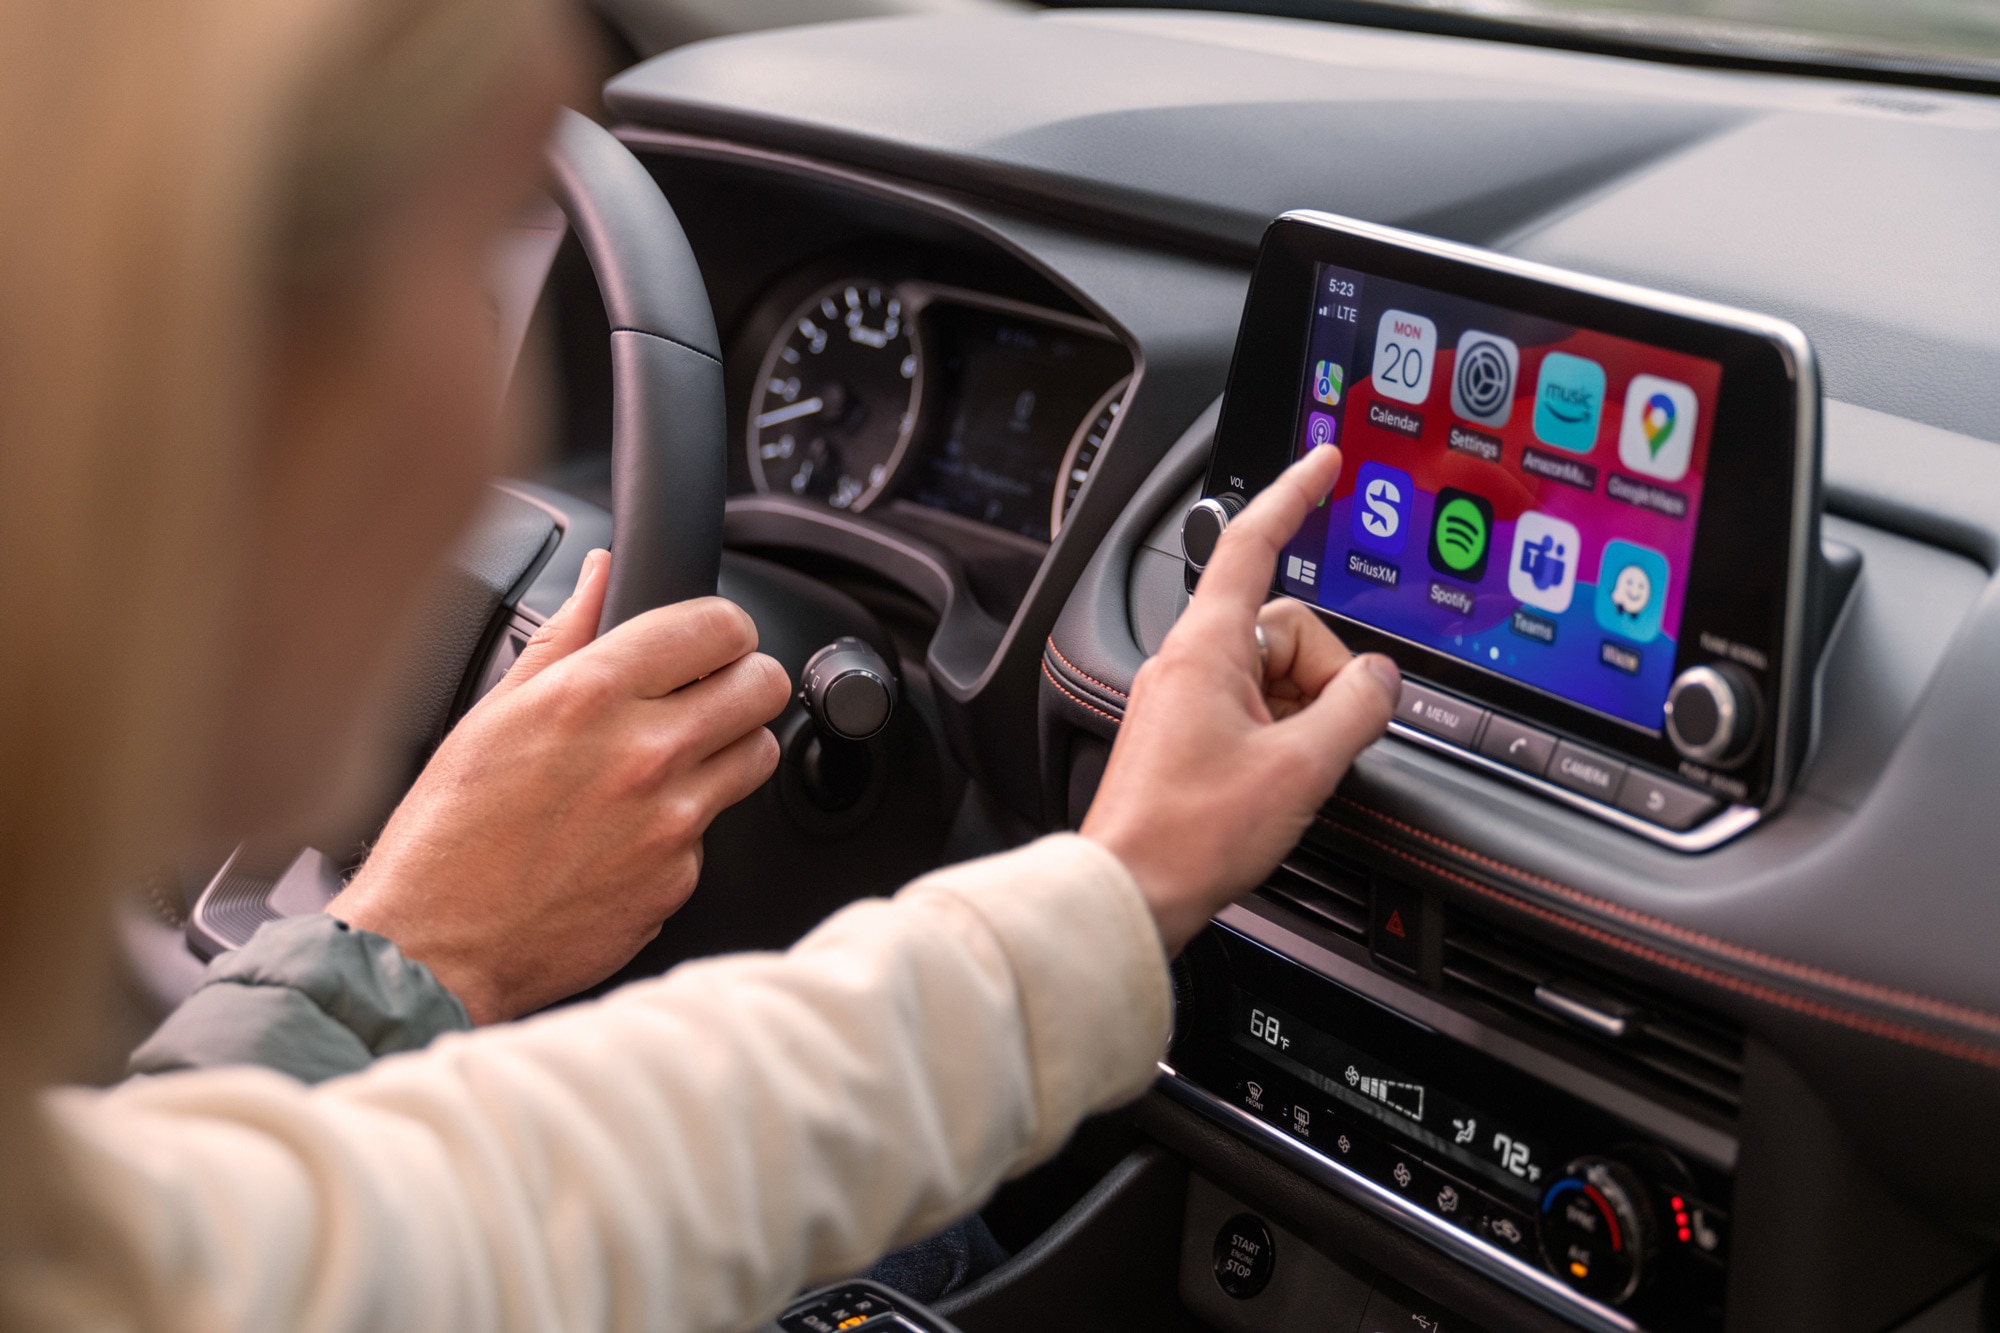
(1013, 392)
(971, 405)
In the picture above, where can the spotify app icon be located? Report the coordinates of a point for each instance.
(1461, 534)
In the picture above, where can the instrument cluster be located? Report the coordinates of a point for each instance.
(871, 389)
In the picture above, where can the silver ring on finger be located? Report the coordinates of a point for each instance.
(1263, 653)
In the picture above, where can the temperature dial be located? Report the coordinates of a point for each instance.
(1597, 1229)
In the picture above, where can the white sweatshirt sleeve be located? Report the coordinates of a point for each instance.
(682, 1155)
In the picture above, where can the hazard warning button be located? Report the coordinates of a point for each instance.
(1396, 925)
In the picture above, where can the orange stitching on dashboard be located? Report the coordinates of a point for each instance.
(1074, 695)
(1874, 1027)
(1867, 990)
(1081, 672)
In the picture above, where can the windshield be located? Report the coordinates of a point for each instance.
(1951, 42)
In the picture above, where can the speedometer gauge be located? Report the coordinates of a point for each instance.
(836, 397)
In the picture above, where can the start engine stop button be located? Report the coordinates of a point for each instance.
(1244, 1256)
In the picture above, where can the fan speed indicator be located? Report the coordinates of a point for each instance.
(836, 398)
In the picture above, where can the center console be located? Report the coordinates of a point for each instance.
(1605, 1211)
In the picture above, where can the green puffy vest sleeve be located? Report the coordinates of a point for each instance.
(308, 996)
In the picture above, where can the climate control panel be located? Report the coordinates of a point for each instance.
(1532, 1180)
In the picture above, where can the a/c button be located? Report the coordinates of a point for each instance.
(1439, 714)
(1586, 772)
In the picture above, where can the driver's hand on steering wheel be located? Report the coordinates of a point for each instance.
(560, 822)
(1219, 766)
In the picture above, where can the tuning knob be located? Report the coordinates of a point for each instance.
(1712, 714)
(1203, 525)
(1596, 1229)
(848, 689)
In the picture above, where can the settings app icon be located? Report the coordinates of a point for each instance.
(1483, 376)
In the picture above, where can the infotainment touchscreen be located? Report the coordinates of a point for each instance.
(1519, 493)
(1582, 516)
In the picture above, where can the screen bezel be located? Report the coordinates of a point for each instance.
(1745, 583)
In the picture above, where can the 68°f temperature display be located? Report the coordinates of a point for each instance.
(1391, 1097)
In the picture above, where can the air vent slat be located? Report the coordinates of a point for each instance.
(1333, 893)
(1664, 1041)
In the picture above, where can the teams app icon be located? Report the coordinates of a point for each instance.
(1541, 572)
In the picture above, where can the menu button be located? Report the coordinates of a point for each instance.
(1440, 714)
(1586, 772)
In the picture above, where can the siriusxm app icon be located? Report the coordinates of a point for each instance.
(1382, 498)
(1569, 399)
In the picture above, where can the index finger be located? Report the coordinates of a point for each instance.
(1239, 574)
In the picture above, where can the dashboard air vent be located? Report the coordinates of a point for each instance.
(1666, 1041)
(1326, 889)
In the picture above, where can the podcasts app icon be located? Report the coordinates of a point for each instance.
(1461, 534)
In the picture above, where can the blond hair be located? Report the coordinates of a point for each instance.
(177, 175)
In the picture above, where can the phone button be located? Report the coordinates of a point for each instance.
(1439, 714)
(1668, 804)
(1517, 746)
(1586, 772)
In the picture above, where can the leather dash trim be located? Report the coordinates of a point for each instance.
(1925, 1005)
(1077, 698)
(1108, 689)
(1826, 1013)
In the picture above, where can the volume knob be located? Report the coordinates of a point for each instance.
(1203, 525)
(1711, 714)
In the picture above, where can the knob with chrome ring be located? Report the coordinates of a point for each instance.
(1711, 714)
(1203, 525)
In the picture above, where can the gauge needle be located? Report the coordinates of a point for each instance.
(805, 407)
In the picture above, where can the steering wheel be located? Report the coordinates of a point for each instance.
(668, 414)
(668, 482)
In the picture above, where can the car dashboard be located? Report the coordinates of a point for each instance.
(1469, 1058)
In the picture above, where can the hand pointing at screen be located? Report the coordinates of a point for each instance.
(1219, 768)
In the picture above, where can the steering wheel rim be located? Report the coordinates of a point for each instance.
(669, 415)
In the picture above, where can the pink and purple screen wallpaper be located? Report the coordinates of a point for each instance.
(1518, 493)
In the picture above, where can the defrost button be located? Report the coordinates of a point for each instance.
(1586, 772)
(1439, 714)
